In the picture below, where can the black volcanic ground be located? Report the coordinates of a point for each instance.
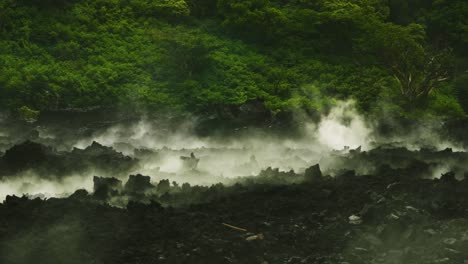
(387, 203)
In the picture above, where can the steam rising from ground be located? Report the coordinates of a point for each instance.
(343, 126)
(28, 183)
(241, 156)
(159, 150)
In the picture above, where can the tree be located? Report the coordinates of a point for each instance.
(258, 19)
(186, 54)
(417, 68)
(203, 8)
(447, 25)
(162, 8)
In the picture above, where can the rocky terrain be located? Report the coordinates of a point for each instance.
(71, 196)
(395, 214)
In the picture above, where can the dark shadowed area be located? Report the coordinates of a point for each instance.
(233, 131)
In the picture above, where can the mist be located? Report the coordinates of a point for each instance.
(157, 150)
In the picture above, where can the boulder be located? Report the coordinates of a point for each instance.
(105, 187)
(79, 194)
(164, 186)
(24, 156)
(313, 173)
(138, 184)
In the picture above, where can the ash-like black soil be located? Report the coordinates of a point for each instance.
(393, 217)
(388, 204)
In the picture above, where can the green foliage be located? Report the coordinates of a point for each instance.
(27, 113)
(203, 8)
(445, 105)
(447, 24)
(161, 8)
(205, 56)
(417, 69)
(461, 90)
(257, 17)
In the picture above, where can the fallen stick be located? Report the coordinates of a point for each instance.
(235, 227)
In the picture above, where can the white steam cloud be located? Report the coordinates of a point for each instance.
(219, 158)
(343, 126)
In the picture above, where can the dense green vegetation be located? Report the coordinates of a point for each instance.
(207, 56)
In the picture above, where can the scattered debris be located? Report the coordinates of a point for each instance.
(235, 227)
(255, 237)
(355, 220)
(450, 241)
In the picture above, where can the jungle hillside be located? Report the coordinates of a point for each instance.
(210, 57)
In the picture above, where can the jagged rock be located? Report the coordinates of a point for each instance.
(105, 187)
(186, 187)
(313, 173)
(48, 163)
(164, 186)
(79, 194)
(275, 176)
(355, 151)
(138, 184)
(189, 163)
(111, 183)
(13, 200)
(25, 155)
(103, 158)
(95, 149)
(448, 177)
(269, 172)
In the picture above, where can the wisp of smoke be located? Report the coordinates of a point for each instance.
(245, 155)
(343, 126)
